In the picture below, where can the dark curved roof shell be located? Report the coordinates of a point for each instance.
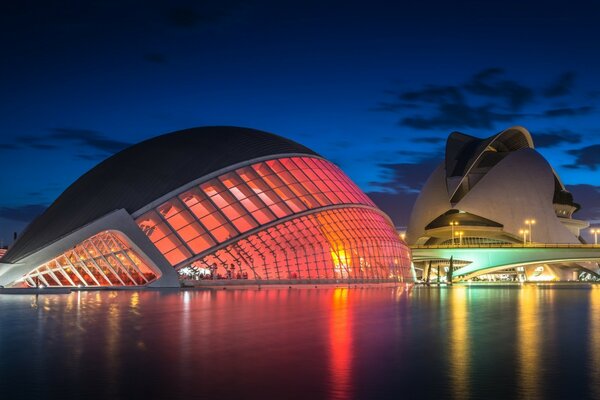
(144, 172)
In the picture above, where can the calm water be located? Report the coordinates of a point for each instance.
(461, 342)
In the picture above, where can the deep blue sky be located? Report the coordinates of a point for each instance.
(374, 86)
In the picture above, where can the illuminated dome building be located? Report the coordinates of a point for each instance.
(209, 203)
(497, 191)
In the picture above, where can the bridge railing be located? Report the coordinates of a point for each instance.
(507, 245)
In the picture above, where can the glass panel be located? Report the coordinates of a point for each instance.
(190, 231)
(334, 244)
(245, 223)
(177, 255)
(201, 243)
(153, 227)
(192, 197)
(240, 201)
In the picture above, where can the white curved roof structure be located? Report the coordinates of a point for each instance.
(495, 192)
(502, 179)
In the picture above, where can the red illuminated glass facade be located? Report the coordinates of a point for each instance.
(105, 259)
(346, 243)
(279, 219)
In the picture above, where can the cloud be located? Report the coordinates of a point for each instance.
(397, 205)
(341, 144)
(393, 107)
(185, 17)
(400, 183)
(434, 94)
(586, 157)
(91, 157)
(484, 100)
(25, 213)
(407, 177)
(156, 58)
(206, 12)
(561, 87)
(568, 111)
(88, 138)
(60, 136)
(554, 138)
(589, 198)
(429, 139)
(454, 116)
(488, 83)
(9, 146)
(449, 106)
(34, 142)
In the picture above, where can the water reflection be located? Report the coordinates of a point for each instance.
(459, 342)
(340, 343)
(594, 341)
(528, 343)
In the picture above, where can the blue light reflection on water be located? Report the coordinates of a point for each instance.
(462, 342)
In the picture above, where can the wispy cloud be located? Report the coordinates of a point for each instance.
(196, 14)
(568, 111)
(24, 213)
(589, 198)
(429, 139)
(561, 87)
(585, 157)
(556, 137)
(99, 143)
(407, 176)
(490, 83)
(155, 58)
(89, 138)
(485, 99)
(458, 115)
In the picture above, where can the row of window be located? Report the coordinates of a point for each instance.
(238, 201)
(348, 243)
(102, 260)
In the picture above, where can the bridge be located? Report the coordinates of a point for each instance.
(488, 258)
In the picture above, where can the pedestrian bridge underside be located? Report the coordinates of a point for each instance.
(489, 259)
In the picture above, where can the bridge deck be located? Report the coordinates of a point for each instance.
(509, 245)
(488, 258)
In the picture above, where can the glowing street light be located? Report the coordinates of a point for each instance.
(452, 225)
(460, 235)
(595, 232)
(530, 222)
(524, 232)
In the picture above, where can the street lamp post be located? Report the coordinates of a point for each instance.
(460, 236)
(595, 232)
(529, 223)
(452, 225)
(524, 232)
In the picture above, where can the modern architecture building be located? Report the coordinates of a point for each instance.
(209, 203)
(496, 192)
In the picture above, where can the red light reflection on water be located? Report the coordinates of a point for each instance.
(340, 344)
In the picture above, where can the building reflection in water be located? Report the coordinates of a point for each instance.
(528, 348)
(113, 339)
(340, 345)
(594, 341)
(459, 350)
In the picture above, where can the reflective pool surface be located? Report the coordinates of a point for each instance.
(483, 342)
